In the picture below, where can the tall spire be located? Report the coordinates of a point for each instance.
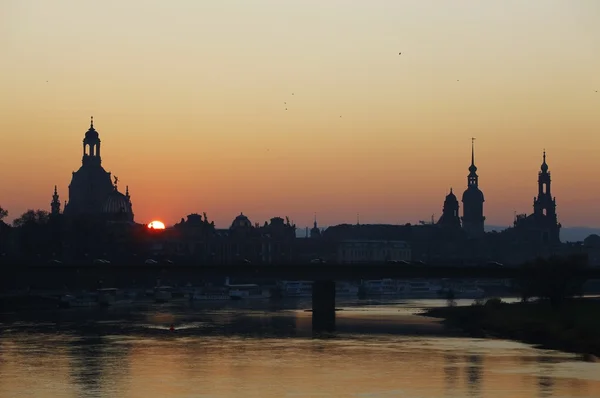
(472, 178)
(55, 204)
(472, 168)
(544, 167)
(91, 122)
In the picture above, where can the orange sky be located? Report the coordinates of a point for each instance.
(188, 98)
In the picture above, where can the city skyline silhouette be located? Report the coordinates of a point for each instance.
(190, 102)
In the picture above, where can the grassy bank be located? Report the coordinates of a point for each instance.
(575, 327)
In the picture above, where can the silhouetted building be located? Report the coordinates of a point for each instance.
(591, 246)
(372, 251)
(542, 227)
(315, 232)
(196, 239)
(55, 204)
(92, 193)
(450, 217)
(534, 235)
(472, 199)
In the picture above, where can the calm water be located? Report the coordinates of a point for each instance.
(379, 350)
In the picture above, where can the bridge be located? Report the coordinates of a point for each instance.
(323, 277)
(116, 274)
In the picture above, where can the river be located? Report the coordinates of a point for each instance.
(380, 349)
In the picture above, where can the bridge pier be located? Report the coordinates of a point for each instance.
(323, 306)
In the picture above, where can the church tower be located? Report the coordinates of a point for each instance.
(544, 206)
(450, 217)
(91, 146)
(55, 204)
(92, 193)
(472, 199)
(315, 232)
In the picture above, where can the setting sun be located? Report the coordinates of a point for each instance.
(156, 225)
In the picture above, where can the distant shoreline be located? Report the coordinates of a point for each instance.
(575, 328)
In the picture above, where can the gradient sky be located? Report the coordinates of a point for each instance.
(188, 97)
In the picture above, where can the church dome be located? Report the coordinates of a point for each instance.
(544, 166)
(592, 241)
(91, 134)
(451, 197)
(473, 194)
(116, 203)
(241, 221)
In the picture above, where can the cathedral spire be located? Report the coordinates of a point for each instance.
(472, 199)
(472, 167)
(472, 178)
(544, 167)
(55, 204)
(91, 122)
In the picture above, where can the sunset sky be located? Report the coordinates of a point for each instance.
(190, 97)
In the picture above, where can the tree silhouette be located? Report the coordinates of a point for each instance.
(554, 279)
(34, 235)
(32, 218)
(3, 214)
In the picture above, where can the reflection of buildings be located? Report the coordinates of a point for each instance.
(474, 373)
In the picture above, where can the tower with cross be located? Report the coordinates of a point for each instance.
(473, 219)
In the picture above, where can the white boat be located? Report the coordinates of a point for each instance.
(296, 288)
(78, 301)
(163, 294)
(247, 291)
(345, 289)
(107, 296)
(462, 290)
(382, 287)
(209, 294)
(422, 289)
(112, 296)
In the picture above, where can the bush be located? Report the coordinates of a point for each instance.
(493, 302)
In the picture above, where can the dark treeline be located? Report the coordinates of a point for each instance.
(38, 237)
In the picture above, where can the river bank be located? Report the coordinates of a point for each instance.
(573, 328)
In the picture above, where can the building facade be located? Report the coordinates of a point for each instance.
(372, 251)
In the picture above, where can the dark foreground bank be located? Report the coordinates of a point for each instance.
(575, 327)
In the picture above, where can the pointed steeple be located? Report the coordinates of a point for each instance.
(472, 167)
(55, 204)
(473, 199)
(315, 232)
(544, 166)
(472, 178)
